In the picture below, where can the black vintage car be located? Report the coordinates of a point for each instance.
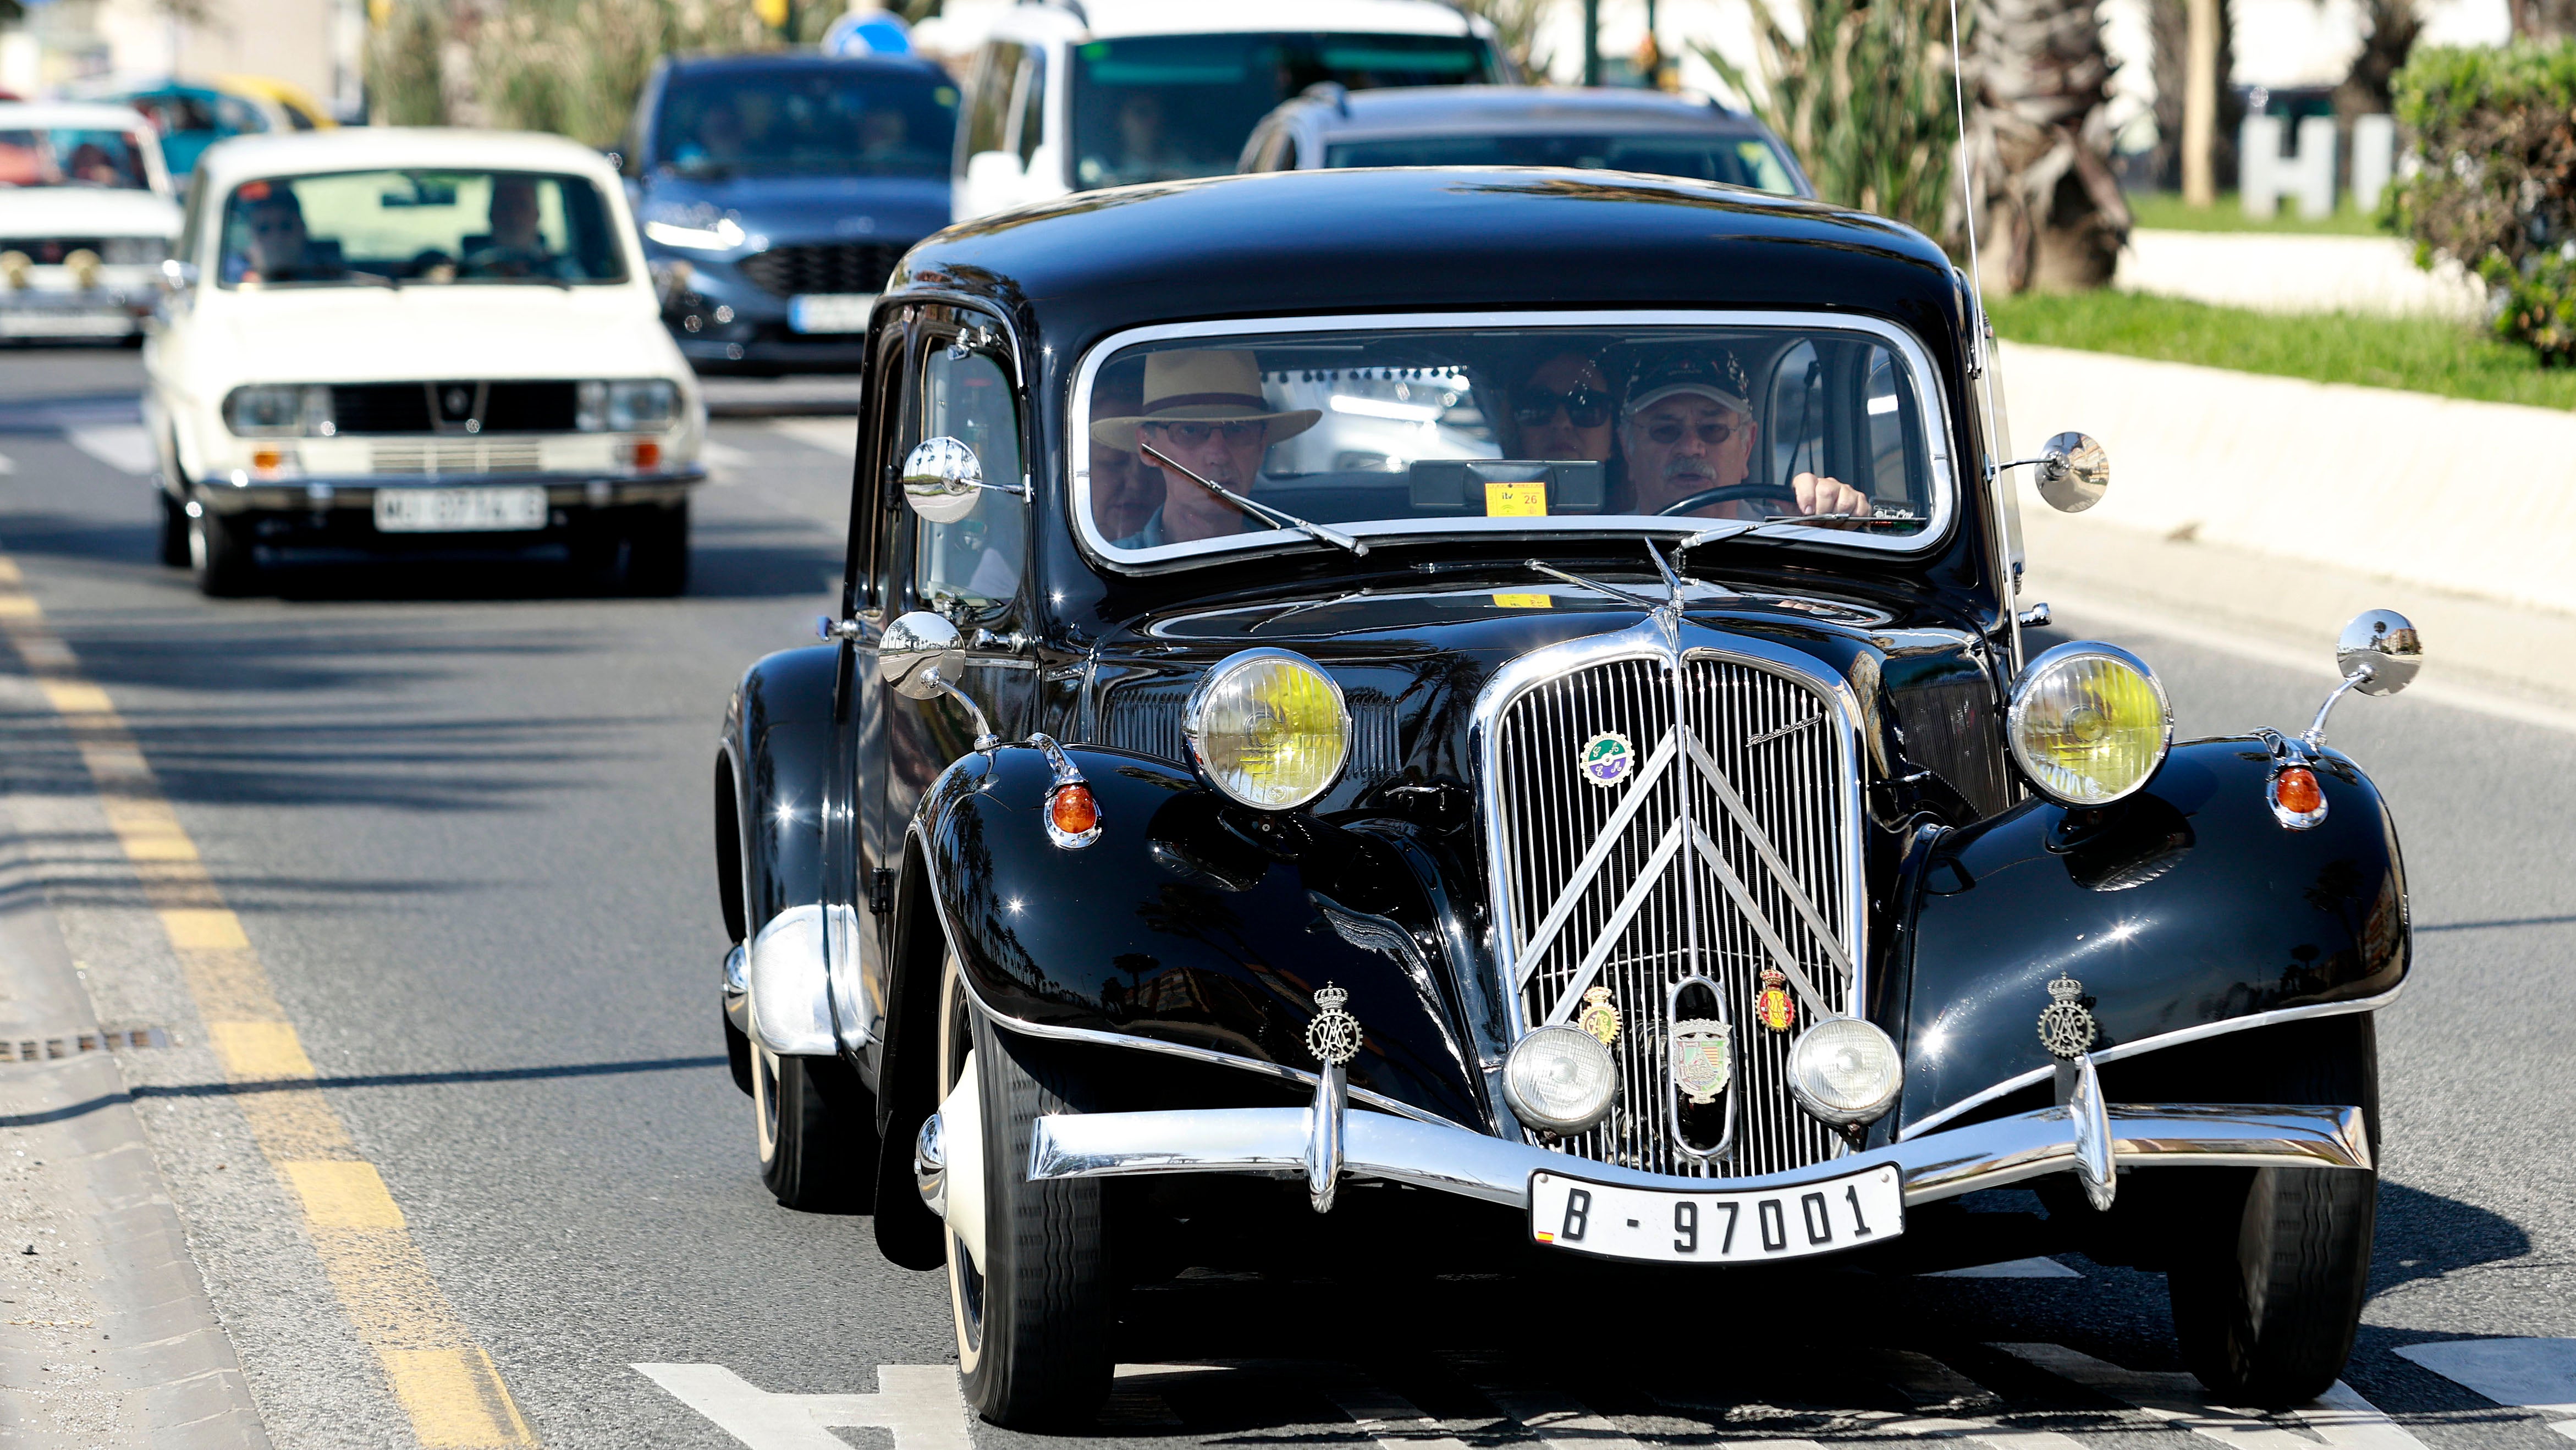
(1496, 698)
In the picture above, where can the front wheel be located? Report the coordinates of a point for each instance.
(1032, 1319)
(657, 553)
(174, 530)
(219, 554)
(2266, 1314)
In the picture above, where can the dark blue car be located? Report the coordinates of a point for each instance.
(776, 193)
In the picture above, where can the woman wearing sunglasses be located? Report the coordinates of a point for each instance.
(1563, 410)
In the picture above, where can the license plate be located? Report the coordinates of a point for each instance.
(831, 311)
(66, 324)
(1750, 1227)
(459, 510)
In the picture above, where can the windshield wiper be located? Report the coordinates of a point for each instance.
(1277, 518)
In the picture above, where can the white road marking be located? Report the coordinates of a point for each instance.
(1390, 1419)
(920, 1405)
(2013, 1269)
(1927, 1381)
(1562, 1421)
(124, 447)
(7, 467)
(2340, 1417)
(2532, 1374)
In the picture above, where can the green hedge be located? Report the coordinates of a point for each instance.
(2493, 134)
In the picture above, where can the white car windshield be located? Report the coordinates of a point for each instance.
(1813, 428)
(72, 156)
(1732, 160)
(357, 228)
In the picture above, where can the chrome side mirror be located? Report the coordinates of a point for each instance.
(177, 276)
(2074, 472)
(941, 477)
(922, 656)
(2379, 653)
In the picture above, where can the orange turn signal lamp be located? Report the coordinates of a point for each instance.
(1073, 817)
(2298, 798)
(268, 460)
(644, 455)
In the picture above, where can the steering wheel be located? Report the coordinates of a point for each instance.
(1729, 494)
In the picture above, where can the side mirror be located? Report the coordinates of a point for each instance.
(921, 655)
(2379, 652)
(177, 276)
(2074, 472)
(940, 479)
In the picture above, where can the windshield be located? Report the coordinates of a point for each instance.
(1733, 160)
(806, 120)
(1815, 429)
(359, 228)
(72, 156)
(1162, 107)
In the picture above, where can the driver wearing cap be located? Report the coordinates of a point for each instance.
(1687, 432)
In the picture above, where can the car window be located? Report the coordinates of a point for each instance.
(1032, 125)
(1535, 427)
(804, 120)
(1733, 160)
(988, 118)
(378, 228)
(72, 156)
(973, 565)
(1161, 107)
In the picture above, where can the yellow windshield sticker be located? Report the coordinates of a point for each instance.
(1515, 500)
(1521, 601)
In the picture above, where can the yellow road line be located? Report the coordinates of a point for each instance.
(439, 1374)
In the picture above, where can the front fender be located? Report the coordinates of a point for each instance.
(775, 758)
(2180, 910)
(1192, 923)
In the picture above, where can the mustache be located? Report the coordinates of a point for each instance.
(1688, 468)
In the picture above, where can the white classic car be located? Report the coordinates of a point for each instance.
(85, 221)
(388, 341)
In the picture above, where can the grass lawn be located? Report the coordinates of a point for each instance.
(2165, 209)
(2424, 355)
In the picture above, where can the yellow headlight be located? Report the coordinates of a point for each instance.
(1268, 728)
(2088, 723)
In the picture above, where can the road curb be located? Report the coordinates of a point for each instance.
(111, 1338)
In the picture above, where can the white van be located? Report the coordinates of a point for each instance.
(1079, 94)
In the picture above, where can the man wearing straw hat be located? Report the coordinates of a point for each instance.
(1204, 410)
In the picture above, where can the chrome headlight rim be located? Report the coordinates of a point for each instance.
(1835, 1113)
(1194, 722)
(1536, 1115)
(2055, 658)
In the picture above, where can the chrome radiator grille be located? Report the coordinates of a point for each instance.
(1725, 847)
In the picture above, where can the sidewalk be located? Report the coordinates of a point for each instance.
(2296, 273)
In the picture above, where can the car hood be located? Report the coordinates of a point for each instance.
(364, 334)
(81, 211)
(789, 209)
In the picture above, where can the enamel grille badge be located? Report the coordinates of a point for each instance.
(2066, 1025)
(1773, 1007)
(1607, 759)
(1599, 1016)
(1334, 1035)
(1703, 1058)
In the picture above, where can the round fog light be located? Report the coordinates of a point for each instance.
(1561, 1079)
(1844, 1070)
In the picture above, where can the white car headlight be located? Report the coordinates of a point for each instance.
(2088, 723)
(1844, 1070)
(1268, 728)
(629, 405)
(1560, 1078)
(275, 410)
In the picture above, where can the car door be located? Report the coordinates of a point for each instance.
(857, 855)
(960, 380)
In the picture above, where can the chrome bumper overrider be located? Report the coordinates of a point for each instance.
(1992, 1154)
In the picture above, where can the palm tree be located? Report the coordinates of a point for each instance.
(2050, 213)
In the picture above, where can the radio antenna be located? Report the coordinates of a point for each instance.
(1968, 199)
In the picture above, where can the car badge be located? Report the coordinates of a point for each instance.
(1334, 1035)
(1773, 1007)
(1703, 1057)
(1598, 1016)
(2066, 1025)
(1607, 758)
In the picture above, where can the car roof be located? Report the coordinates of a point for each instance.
(1429, 239)
(1509, 110)
(86, 115)
(810, 59)
(1113, 19)
(366, 148)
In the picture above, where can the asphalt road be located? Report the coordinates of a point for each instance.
(468, 839)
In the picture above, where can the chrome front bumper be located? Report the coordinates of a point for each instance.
(1276, 1142)
(239, 491)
